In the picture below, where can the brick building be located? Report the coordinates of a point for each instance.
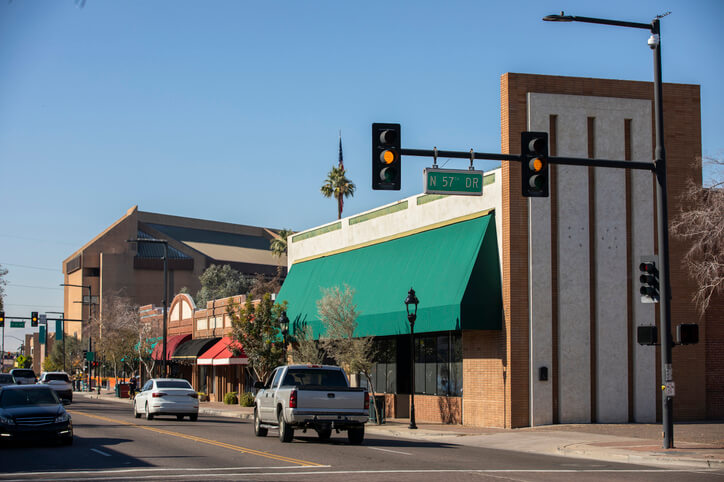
(529, 307)
(111, 266)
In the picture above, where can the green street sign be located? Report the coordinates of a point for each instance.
(17, 324)
(90, 356)
(453, 181)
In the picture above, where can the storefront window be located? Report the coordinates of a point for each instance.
(438, 364)
(384, 372)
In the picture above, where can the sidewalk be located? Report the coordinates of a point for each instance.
(696, 444)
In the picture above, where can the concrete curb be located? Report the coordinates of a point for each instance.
(588, 452)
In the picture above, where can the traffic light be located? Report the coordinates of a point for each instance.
(2, 319)
(34, 319)
(649, 280)
(534, 173)
(386, 157)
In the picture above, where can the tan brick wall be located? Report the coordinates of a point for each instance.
(682, 123)
(484, 392)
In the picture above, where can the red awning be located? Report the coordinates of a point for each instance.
(221, 354)
(171, 343)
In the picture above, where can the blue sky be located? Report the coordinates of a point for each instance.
(230, 110)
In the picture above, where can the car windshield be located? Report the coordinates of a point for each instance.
(18, 398)
(301, 377)
(173, 384)
(56, 376)
(6, 378)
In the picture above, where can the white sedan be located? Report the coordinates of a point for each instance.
(166, 396)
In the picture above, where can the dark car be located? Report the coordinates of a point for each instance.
(33, 412)
(6, 379)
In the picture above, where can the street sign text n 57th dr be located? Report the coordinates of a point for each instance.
(453, 181)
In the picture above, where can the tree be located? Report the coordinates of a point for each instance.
(338, 313)
(3, 282)
(255, 327)
(73, 356)
(221, 281)
(338, 186)
(262, 284)
(701, 223)
(278, 245)
(306, 348)
(117, 332)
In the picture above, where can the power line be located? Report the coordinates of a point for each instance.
(35, 287)
(31, 267)
(39, 306)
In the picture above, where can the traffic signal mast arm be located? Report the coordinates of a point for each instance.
(571, 161)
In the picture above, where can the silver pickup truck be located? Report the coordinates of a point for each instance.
(310, 396)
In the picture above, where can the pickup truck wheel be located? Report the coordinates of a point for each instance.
(324, 434)
(356, 435)
(286, 433)
(258, 430)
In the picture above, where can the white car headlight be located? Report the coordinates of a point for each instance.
(7, 420)
(63, 417)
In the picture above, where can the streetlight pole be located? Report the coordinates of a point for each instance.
(165, 293)
(90, 315)
(411, 317)
(654, 42)
(62, 322)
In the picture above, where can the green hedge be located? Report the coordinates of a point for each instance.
(231, 399)
(246, 399)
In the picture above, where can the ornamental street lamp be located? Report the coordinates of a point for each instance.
(654, 42)
(284, 326)
(165, 292)
(411, 317)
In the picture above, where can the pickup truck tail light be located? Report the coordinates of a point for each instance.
(158, 394)
(367, 400)
(293, 399)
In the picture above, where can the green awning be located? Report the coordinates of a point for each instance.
(453, 268)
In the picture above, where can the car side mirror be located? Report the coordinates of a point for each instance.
(258, 385)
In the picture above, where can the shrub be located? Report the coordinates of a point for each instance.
(246, 399)
(231, 399)
(203, 397)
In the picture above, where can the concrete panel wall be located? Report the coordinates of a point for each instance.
(591, 229)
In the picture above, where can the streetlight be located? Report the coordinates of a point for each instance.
(284, 325)
(165, 290)
(62, 321)
(654, 42)
(411, 317)
(90, 314)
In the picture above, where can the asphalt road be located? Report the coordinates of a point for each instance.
(110, 444)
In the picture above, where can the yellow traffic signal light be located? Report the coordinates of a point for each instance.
(34, 319)
(534, 172)
(386, 164)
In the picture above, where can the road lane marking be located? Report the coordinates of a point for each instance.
(374, 472)
(388, 450)
(216, 443)
(165, 470)
(100, 452)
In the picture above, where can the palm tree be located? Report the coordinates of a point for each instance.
(338, 186)
(278, 245)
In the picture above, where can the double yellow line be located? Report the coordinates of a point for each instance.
(236, 448)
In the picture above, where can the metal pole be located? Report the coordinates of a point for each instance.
(2, 352)
(90, 339)
(412, 372)
(667, 402)
(165, 304)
